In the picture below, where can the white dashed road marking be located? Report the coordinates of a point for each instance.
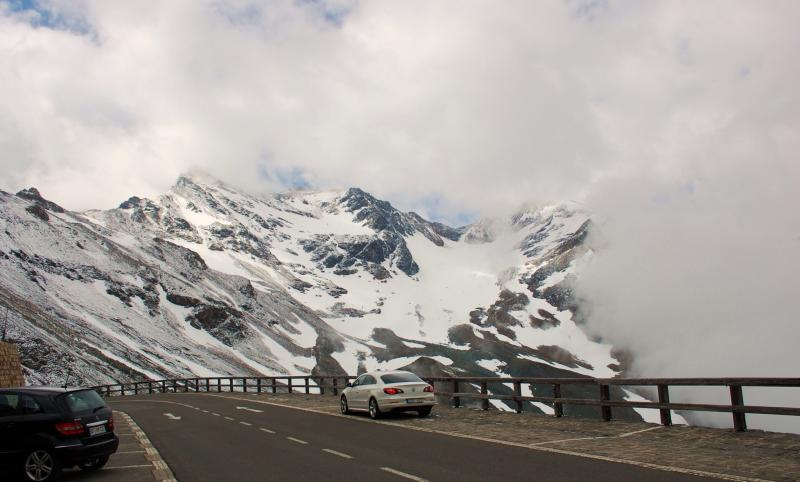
(266, 430)
(245, 423)
(250, 409)
(215, 414)
(297, 440)
(402, 474)
(340, 454)
(228, 418)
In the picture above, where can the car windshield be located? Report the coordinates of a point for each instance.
(400, 378)
(83, 401)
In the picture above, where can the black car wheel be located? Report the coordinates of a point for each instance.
(40, 465)
(343, 406)
(374, 410)
(93, 464)
(425, 411)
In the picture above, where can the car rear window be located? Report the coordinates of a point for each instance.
(400, 378)
(9, 403)
(83, 401)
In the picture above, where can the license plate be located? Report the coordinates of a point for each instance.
(415, 400)
(97, 430)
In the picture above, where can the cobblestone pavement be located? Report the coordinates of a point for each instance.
(753, 454)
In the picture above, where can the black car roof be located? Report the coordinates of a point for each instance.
(38, 390)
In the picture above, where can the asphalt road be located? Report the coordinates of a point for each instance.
(215, 441)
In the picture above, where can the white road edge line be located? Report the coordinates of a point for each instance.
(596, 438)
(340, 454)
(147, 466)
(403, 474)
(640, 431)
(665, 468)
(266, 430)
(297, 440)
(248, 424)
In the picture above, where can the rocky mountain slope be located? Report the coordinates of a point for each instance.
(207, 281)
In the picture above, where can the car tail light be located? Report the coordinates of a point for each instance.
(70, 428)
(110, 425)
(428, 389)
(392, 391)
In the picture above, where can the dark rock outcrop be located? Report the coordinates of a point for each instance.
(32, 194)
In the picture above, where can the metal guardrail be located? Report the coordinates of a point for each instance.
(285, 384)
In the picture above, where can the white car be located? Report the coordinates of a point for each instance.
(382, 392)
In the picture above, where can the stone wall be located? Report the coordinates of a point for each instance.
(10, 368)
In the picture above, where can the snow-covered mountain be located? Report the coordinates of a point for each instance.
(207, 281)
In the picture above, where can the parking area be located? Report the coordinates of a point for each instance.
(136, 459)
(751, 455)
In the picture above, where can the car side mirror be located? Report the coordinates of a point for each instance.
(349, 385)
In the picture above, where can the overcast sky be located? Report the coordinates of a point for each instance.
(676, 123)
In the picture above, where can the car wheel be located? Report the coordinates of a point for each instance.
(343, 405)
(41, 465)
(93, 464)
(374, 409)
(425, 411)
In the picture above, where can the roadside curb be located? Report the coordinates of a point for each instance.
(161, 471)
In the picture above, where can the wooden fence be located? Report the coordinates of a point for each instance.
(453, 388)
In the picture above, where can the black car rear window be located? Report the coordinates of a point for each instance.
(400, 378)
(9, 404)
(83, 401)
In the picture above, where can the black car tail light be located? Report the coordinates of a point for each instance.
(70, 428)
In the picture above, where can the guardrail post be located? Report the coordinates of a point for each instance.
(289, 383)
(244, 385)
(484, 391)
(663, 397)
(174, 386)
(456, 399)
(517, 394)
(196, 384)
(230, 384)
(108, 390)
(335, 388)
(150, 387)
(274, 385)
(737, 399)
(136, 388)
(258, 385)
(208, 385)
(605, 395)
(322, 385)
(307, 386)
(558, 407)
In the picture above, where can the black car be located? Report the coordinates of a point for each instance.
(44, 430)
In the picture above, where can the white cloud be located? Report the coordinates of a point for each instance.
(677, 122)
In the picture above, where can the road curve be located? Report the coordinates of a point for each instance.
(207, 438)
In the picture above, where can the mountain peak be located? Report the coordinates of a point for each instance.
(33, 194)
